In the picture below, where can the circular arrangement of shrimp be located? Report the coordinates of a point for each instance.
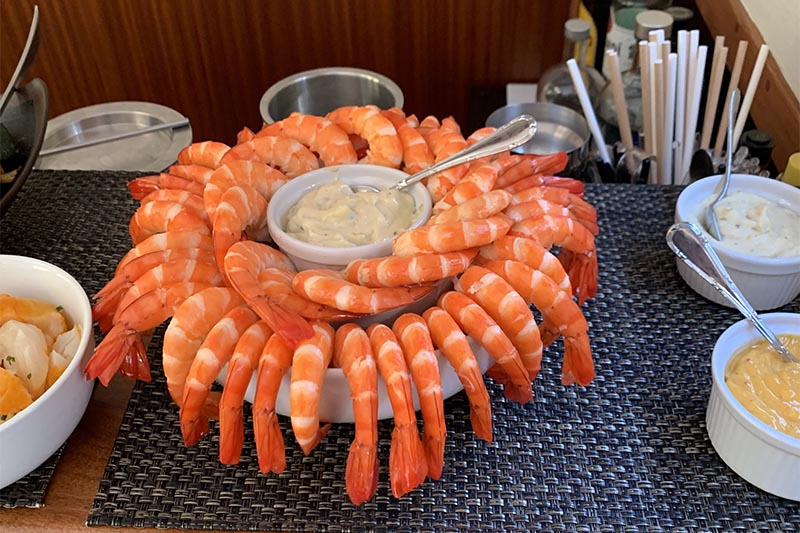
(199, 261)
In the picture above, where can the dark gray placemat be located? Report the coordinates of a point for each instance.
(30, 490)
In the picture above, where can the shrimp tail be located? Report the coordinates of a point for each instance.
(362, 472)
(291, 327)
(481, 418)
(269, 442)
(135, 365)
(140, 188)
(194, 430)
(582, 271)
(231, 434)
(434, 448)
(549, 332)
(578, 366)
(510, 389)
(407, 464)
(103, 310)
(309, 446)
(110, 354)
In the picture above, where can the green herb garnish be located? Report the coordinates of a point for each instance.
(59, 308)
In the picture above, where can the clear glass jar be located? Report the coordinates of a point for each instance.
(555, 85)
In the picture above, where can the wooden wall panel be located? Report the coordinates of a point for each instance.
(213, 59)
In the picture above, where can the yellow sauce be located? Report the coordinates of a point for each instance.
(768, 386)
(334, 215)
(754, 225)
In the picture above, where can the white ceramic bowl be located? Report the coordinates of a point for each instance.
(306, 256)
(765, 457)
(767, 282)
(32, 436)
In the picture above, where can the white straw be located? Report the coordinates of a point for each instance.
(644, 69)
(669, 113)
(691, 117)
(680, 98)
(588, 110)
(660, 130)
(715, 83)
(741, 52)
(619, 99)
(752, 85)
(687, 137)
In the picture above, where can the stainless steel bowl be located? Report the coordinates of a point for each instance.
(559, 129)
(319, 91)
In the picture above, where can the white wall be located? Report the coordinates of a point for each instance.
(779, 24)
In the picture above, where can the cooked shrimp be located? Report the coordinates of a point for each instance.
(208, 154)
(367, 121)
(244, 135)
(538, 208)
(319, 134)
(407, 463)
(244, 262)
(559, 309)
(276, 286)
(451, 236)
(188, 329)
(582, 269)
(241, 210)
(543, 180)
(329, 288)
(484, 206)
(275, 360)
(577, 205)
(561, 231)
(166, 241)
(532, 164)
(417, 155)
(397, 271)
(260, 176)
(476, 323)
(353, 354)
(285, 153)
(499, 299)
(122, 348)
(196, 173)
(444, 142)
(453, 344)
(309, 363)
(141, 187)
(160, 217)
(191, 201)
(213, 354)
(478, 180)
(532, 254)
(241, 367)
(415, 339)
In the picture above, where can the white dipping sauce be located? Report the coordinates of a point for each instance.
(334, 215)
(753, 225)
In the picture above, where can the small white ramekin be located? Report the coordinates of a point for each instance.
(307, 256)
(763, 456)
(767, 282)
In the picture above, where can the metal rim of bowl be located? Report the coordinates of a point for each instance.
(277, 87)
(585, 135)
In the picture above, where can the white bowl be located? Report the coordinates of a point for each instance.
(765, 457)
(307, 256)
(767, 282)
(32, 436)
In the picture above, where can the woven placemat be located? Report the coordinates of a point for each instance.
(64, 218)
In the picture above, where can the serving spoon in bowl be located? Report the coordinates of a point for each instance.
(692, 247)
(711, 216)
(507, 137)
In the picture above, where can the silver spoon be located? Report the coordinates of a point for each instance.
(508, 136)
(692, 247)
(25, 60)
(711, 216)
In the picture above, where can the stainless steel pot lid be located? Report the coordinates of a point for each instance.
(149, 152)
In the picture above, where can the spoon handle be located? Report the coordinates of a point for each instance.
(692, 247)
(508, 136)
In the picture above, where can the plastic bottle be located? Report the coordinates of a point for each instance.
(622, 25)
(555, 85)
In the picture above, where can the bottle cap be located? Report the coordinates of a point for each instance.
(576, 30)
(792, 173)
(680, 14)
(760, 145)
(650, 20)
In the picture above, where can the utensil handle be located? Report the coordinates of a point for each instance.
(508, 136)
(692, 247)
(150, 129)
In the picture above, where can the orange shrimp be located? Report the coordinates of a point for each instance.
(191, 201)
(329, 288)
(407, 464)
(532, 164)
(187, 330)
(367, 121)
(166, 241)
(560, 310)
(451, 236)
(453, 344)
(241, 367)
(538, 208)
(123, 346)
(562, 231)
(215, 351)
(444, 142)
(484, 206)
(285, 153)
(244, 135)
(397, 271)
(415, 339)
(276, 286)
(243, 264)
(141, 187)
(353, 354)
(319, 134)
(577, 205)
(195, 173)
(542, 180)
(532, 254)
(417, 154)
(478, 180)
(208, 154)
(260, 176)
(582, 268)
(309, 363)
(159, 217)
(241, 210)
(476, 323)
(275, 360)
(499, 299)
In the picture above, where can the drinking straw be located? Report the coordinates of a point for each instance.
(669, 113)
(691, 117)
(680, 98)
(717, 68)
(752, 85)
(644, 62)
(691, 69)
(658, 78)
(734, 83)
(652, 57)
(588, 110)
(619, 99)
